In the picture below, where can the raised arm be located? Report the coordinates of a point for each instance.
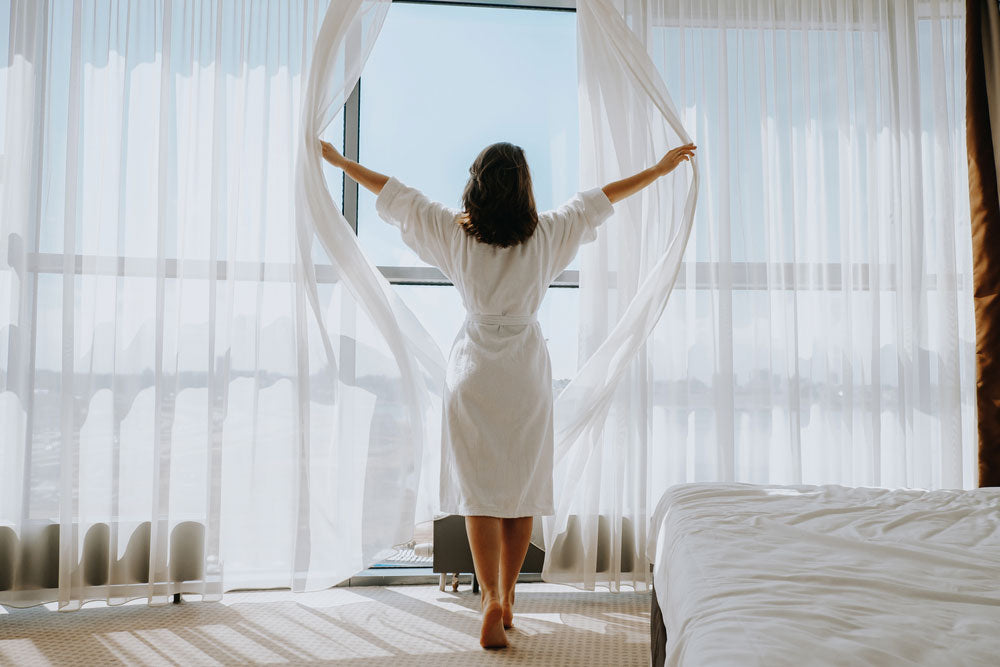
(371, 180)
(629, 186)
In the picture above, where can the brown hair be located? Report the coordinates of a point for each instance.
(498, 200)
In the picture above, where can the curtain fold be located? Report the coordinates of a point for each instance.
(406, 489)
(192, 397)
(982, 63)
(820, 328)
(627, 122)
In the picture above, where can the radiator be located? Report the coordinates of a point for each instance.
(29, 563)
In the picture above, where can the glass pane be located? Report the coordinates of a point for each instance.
(444, 82)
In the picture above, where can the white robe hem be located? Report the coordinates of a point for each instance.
(465, 510)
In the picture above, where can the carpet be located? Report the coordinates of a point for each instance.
(365, 625)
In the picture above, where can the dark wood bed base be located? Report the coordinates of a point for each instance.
(657, 634)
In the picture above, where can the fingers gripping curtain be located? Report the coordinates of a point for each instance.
(627, 121)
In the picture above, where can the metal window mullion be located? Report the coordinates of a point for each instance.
(352, 141)
(544, 5)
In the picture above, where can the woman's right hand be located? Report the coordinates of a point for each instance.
(674, 157)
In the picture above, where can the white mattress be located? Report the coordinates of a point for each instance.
(781, 575)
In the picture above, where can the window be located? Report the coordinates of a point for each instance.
(442, 82)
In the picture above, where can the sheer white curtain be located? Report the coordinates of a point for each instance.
(821, 327)
(172, 416)
(627, 122)
(194, 397)
(410, 368)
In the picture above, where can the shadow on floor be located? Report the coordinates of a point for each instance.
(407, 625)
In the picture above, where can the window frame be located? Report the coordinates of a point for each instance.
(424, 275)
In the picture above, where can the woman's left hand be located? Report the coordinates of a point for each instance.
(331, 154)
(673, 158)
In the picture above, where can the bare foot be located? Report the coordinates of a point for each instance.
(492, 634)
(507, 605)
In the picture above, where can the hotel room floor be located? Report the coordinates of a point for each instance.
(371, 625)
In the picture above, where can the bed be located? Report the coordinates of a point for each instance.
(798, 575)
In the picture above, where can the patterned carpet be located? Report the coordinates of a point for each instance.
(398, 626)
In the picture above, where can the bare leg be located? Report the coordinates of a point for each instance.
(484, 538)
(516, 536)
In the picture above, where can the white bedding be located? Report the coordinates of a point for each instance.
(781, 575)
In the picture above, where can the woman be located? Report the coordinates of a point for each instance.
(501, 255)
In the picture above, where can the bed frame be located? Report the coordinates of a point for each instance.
(657, 634)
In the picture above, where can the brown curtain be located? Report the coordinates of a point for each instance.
(982, 63)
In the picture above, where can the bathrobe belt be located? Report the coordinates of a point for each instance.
(483, 318)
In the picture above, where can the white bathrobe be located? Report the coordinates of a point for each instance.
(496, 450)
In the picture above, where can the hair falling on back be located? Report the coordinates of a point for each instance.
(498, 199)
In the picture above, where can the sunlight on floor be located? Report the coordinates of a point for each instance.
(411, 625)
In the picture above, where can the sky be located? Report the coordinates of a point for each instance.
(441, 84)
(444, 82)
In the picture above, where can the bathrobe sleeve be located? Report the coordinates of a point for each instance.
(573, 224)
(428, 227)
